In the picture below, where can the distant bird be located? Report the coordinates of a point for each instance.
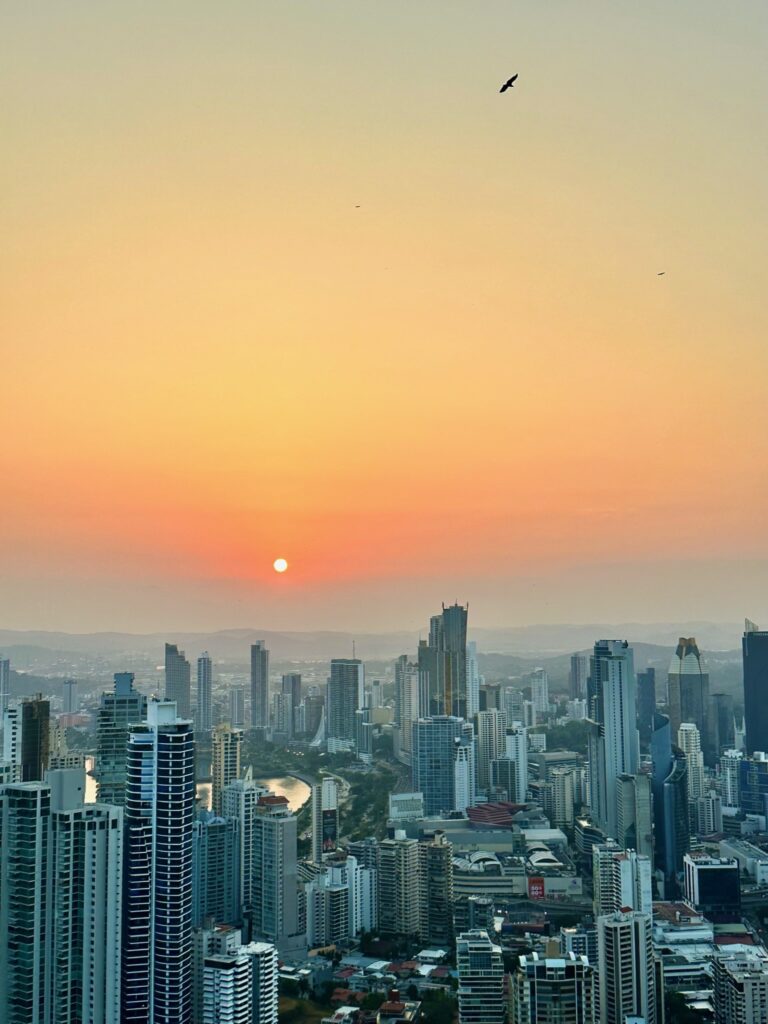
(661, 273)
(508, 84)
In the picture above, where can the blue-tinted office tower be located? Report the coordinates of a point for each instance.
(646, 703)
(614, 746)
(444, 763)
(753, 785)
(443, 663)
(670, 806)
(754, 649)
(157, 897)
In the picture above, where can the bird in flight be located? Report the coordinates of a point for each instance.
(508, 84)
(661, 273)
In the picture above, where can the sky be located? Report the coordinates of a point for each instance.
(295, 280)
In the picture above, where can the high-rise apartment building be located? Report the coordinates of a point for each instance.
(70, 702)
(443, 763)
(274, 911)
(215, 863)
(646, 703)
(688, 682)
(578, 674)
(443, 663)
(398, 873)
(227, 988)
(240, 800)
(721, 722)
(314, 709)
(27, 737)
(118, 711)
(709, 813)
(628, 978)
(325, 819)
(60, 903)
(556, 990)
(481, 979)
(291, 686)
(159, 812)
(539, 680)
(406, 710)
(435, 887)
(178, 680)
(237, 707)
(344, 698)
(754, 647)
(5, 687)
(613, 740)
(621, 879)
(204, 717)
(225, 766)
(689, 741)
(740, 988)
(730, 775)
(491, 744)
(264, 971)
(259, 685)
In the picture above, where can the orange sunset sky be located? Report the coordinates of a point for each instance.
(293, 279)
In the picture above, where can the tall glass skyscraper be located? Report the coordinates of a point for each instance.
(204, 693)
(754, 646)
(118, 711)
(688, 684)
(614, 746)
(259, 685)
(444, 763)
(443, 663)
(178, 680)
(159, 811)
(344, 697)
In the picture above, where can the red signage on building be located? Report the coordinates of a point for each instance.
(535, 888)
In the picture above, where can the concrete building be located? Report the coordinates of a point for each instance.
(5, 687)
(628, 978)
(178, 680)
(345, 689)
(621, 879)
(259, 685)
(443, 763)
(689, 741)
(712, 886)
(406, 707)
(204, 716)
(274, 910)
(435, 890)
(240, 800)
(740, 989)
(398, 880)
(443, 664)
(225, 766)
(688, 683)
(325, 819)
(481, 979)
(755, 667)
(491, 745)
(215, 874)
(556, 990)
(634, 813)
(577, 676)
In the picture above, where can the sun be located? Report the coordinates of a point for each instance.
(279, 565)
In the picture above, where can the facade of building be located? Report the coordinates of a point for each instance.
(215, 877)
(688, 682)
(491, 744)
(274, 907)
(406, 707)
(435, 885)
(259, 685)
(204, 716)
(398, 875)
(325, 819)
(117, 712)
(346, 686)
(225, 762)
(159, 811)
(555, 990)
(5, 687)
(712, 886)
(671, 815)
(621, 879)
(626, 969)
(740, 989)
(178, 678)
(443, 763)
(481, 979)
(754, 647)
(613, 739)
(443, 664)
(578, 674)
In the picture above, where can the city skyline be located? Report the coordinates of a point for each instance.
(291, 294)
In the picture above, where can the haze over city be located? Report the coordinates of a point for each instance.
(294, 280)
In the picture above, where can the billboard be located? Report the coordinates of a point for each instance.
(535, 888)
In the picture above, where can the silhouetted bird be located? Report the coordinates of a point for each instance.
(661, 273)
(509, 84)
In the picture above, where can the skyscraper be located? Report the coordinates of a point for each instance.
(443, 763)
(577, 676)
(491, 745)
(259, 685)
(5, 687)
(646, 703)
(627, 974)
(118, 711)
(754, 647)
(61, 870)
(237, 707)
(159, 811)
(740, 988)
(689, 741)
(688, 683)
(721, 719)
(325, 819)
(178, 680)
(274, 912)
(481, 979)
(227, 988)
(240, 800)
(406, 707)
(226, 744)
(621, 879)
(558, 991)
(436, 890)
(398, 877)
(204, 718)
(540, 692)
(70, 702)
(215, 863)
(634, 828)
(344, 698)
(35, 738)
(291, 686)
(670, 806)
(443, 663)
(613, 739)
